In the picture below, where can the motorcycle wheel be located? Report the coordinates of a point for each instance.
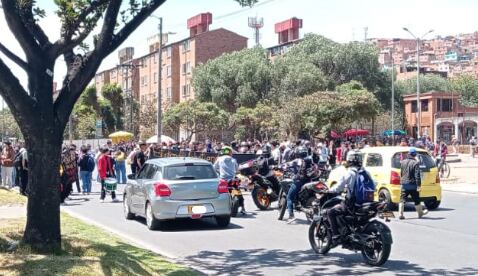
(282, 207)
(320, 237)
(309, 214)
(236, 203)
(261, 198)
(376, 251)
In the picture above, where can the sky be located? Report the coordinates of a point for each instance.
(340, 20)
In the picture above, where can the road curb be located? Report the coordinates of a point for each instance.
(167, 256)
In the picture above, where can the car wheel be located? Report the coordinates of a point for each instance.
(384, 196)
(151, 221)
(223, 221)
(126, 208)
(432, 204)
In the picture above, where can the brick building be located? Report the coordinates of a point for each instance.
(442, 115)
(138, 77)
(287, 35)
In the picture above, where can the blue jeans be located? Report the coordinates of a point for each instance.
(86, 180)
(292, 194)
(120, 170)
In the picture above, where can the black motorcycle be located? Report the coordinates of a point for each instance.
(263, 191)
(304, 202)
(358, 229)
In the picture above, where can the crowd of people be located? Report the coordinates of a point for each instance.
(14, 163)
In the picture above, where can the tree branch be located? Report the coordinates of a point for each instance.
(14, 94)
(13, 57)
(134, 23)
(22, 34)
(107, 42)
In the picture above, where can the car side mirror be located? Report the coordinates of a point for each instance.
(131, 176)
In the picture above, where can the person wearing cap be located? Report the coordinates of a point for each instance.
(226, 165)
(410, 180)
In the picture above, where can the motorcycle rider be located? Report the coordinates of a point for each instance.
(226, 165)
(302, 166)
(264, 163)
(346, 183)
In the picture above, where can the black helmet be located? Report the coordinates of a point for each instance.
(354, 158)
(266, 150)
(301, 152)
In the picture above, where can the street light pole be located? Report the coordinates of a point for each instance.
(393, 96)
(419, 106)
(160, 77)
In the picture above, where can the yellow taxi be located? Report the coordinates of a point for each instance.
(383, 164)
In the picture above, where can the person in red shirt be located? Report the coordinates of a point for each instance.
(105, 169)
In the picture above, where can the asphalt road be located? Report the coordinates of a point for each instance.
(445, 242)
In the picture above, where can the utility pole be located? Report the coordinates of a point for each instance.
(159, 119)
(393, 94)
(419, 106)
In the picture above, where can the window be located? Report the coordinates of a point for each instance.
(168, 71)
(426, 161)
(169, 51)
(186, 90)
(374, 160)
(414, 107)
(424, 105)
(155, 59)
(147, 172)
(186, 68)
(445, 105)
(189, 171)
(186, 46)
(169, 93)
(144, 80)
(155, 77)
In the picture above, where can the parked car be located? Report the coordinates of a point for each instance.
(176, 188)
(383, 163)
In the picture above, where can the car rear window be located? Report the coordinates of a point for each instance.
(189, 172)
(426, 161)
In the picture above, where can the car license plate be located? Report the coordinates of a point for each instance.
(196, 209)
(388, 215)
(236, 193)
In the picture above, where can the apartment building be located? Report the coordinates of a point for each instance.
(287, 35)
(139, 76)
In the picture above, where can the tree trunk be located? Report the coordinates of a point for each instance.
(43, 145)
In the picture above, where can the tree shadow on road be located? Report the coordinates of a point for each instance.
(263, 261)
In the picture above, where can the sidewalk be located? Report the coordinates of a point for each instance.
(12, 212)
(463, 177)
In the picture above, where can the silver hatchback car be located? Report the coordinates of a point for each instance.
(176, 187)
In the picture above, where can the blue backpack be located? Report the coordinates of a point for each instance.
(364, 188)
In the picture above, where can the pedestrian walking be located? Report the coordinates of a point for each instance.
(70, 168)
(86, 163)
(120, 165)
(410, 181)
(7, 158)
(21, 168)
(105, 170)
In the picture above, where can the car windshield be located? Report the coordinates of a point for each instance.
(426, 161)
(189, 172)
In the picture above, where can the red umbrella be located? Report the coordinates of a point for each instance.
(356, 132)
(334, 134)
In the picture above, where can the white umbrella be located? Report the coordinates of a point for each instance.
(164, 138)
